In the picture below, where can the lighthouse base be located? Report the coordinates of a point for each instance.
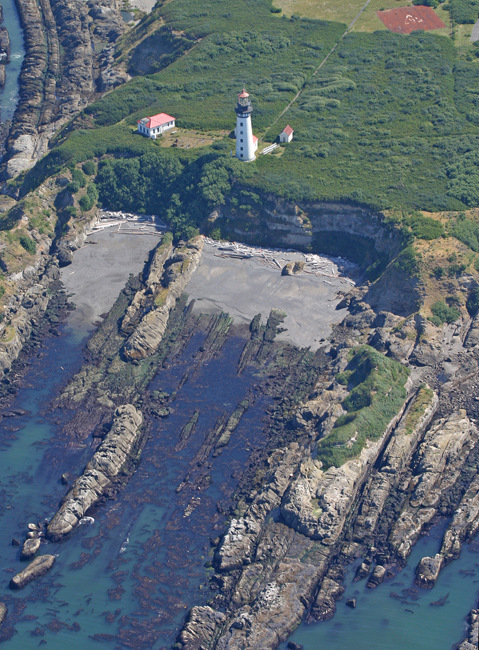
(246, 159)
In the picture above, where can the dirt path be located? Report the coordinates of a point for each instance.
(350, 26)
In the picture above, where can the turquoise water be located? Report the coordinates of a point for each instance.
(132, 575)
(129, 579)
(380, 622)
(9, 94)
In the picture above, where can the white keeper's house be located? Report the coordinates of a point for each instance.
(286, 134)
(154, 126)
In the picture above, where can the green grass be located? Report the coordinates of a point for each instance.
(390, 121)
(376, 384)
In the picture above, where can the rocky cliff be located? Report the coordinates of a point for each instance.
(59, 72)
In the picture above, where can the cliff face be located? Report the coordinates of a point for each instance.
(60, 70)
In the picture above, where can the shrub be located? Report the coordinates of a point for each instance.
(425, 227)
(73, 187)
(462, 11)
(472, 304)
(376, 396)
(426, 3)
(89, 168)
(89, 199)
(28, 244)
(275, 10)
(79, 177)
(407, 261)
(443, 313)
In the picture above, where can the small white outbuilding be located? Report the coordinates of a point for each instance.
(286, 134)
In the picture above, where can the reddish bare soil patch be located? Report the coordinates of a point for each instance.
(405, 20)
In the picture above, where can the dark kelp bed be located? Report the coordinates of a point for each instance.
(131, 576)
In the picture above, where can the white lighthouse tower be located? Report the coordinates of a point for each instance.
(246, 142)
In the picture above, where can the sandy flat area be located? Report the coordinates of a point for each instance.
(100, 271)
(144, 5)
(246, 287)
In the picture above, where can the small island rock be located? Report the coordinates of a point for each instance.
(36, 569)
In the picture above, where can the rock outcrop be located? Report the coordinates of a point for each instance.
(30, 547)
(100, 473)
(36, 569)
(200, 627)
(54, 87)
(3, 613)
(436, 467)
(148, 335)
(427, 571)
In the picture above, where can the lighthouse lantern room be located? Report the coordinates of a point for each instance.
(246, 142)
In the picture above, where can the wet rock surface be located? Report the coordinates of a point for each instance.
(102, 470)
(36, 569)
(30, 547)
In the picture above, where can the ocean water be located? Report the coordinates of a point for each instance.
(381, 622)
(128, 578)
(9, 94)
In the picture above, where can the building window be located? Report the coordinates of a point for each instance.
(241, 123)
(241, 148)
(241, 132)
(241, 140)
(241, 155)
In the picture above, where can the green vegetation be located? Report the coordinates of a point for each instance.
(408, 261)
(78, 177)
(158, 183)
(426, 3)
(462, 11)
(442, 313)
(467, 231)
(89, 199)
(472, 304)
(28, 244)
(377, 392)
(425, 227)
(389, 121)
(89, 168)
(421, 402)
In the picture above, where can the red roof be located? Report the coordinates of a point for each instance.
(405, 20)
(243, 94)
(288, 130)
(158, 120)
(255, 139)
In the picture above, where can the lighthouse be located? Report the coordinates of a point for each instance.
(246, 142)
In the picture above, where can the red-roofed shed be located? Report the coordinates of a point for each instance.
(286, 134)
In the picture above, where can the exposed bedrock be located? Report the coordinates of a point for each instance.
(177, 271)
(4, 45)
(3, 613)
(53, 88)
(317, 502)
(107, 463)
(324, 606)
(200, 627)
(36, 569)
(427, 571)
(30, 547)
(472, 640)
(152, 286)
(393, 461)
(377, 576)
(435, 468)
